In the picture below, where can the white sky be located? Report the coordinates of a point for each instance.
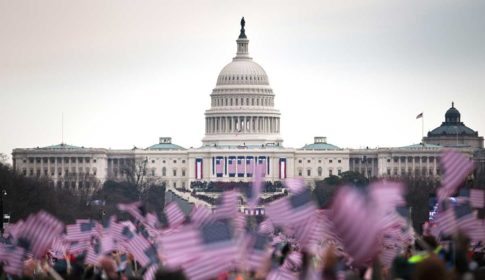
(125, 72)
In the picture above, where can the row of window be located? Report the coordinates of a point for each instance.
(319, 161)
(72, 184)
(52, 173)
(413, 159)
(122, 172)
(242, 78)
(243, 101)
(59, 160)
(132, 161)
(319, 172)
(415, 172)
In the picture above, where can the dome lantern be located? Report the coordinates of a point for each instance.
(242, 43)
(452, 115)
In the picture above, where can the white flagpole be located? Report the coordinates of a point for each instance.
(422, 129)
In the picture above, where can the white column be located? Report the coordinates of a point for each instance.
(256, 124)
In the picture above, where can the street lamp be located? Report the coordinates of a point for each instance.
(4, 193)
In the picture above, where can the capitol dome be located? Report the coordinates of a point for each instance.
(242, 109)
(242, 71)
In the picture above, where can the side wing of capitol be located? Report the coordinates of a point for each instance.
(242, 131)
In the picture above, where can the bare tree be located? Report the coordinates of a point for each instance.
(4, 159)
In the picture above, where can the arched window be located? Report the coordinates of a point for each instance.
(164, 171)
(320, 171)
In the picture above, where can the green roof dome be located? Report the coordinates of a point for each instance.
(320, 143)
(165, 143)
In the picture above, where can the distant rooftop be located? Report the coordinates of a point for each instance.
(165, 143)
(320, 143)
(62, 146)
(420, 145)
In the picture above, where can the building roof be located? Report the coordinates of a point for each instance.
(165, 146)
(320, 146)
(448, 129)
(61, 146)
(452, 126)
(420, 145)
(320, 143)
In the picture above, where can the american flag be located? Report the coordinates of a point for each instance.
(94, 253)
(38, 232)
(477, 198)
(457, 217)
(304, 229)
(81, 230)
(13, 229)
(257, 253)
(266, 227)
(387, 255)
(456, 167)
(239, 223)
(262, 162)
(293, 261)
(190, 243)
(142, 250)
(226, 207)
(295, 185)
(281, 273)
(231, 166)
(152, 221)
(58, 248)
(174, 215)
(253, 192)
(478, 231)
(78, 247)
(219, 166)
(150, 272)
(200, 215)
(12, 258)
(249, 166)
(135, 209)
(107, 243)
(208, 267)
(296, 208)
(387, 195)
(357, 224)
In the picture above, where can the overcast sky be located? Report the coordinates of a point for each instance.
(126, 72)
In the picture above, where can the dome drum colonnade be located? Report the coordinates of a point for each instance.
(242, 103)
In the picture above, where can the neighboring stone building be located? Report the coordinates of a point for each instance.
(454, 133)
(242, 131)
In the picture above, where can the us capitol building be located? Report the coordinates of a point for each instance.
(242, 130)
